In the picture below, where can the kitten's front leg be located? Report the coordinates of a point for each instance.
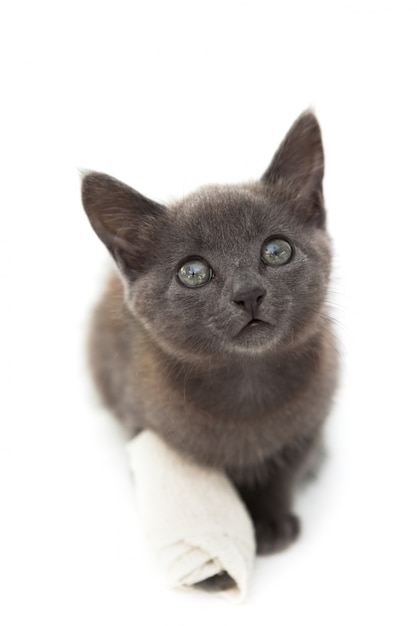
(217, 583)
(269, 505)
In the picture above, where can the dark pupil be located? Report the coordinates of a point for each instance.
(276, 251)
(194, 273)
(196, 270)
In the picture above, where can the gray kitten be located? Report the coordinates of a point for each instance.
(214, 331)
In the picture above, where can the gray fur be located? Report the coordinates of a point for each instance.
(250, 400)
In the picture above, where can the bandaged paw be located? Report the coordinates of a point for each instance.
(192, 517)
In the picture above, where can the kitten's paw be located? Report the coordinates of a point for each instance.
(274, 534)
(219, 582)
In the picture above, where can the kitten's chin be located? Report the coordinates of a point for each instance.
(257, 337)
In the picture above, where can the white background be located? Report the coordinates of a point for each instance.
(168, 96)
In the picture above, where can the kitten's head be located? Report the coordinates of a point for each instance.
(239, 269)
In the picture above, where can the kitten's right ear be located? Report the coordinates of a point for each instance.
(125, 221)
(299, 162)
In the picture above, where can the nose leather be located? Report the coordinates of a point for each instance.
(249, 297)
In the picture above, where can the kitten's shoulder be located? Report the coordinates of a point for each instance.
(109, 344)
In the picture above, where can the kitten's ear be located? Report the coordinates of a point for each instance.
(125, 221)
(299, 161)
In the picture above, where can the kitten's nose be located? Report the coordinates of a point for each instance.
(249, 298)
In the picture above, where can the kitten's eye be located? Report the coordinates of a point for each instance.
(195, 273)
(276, 252)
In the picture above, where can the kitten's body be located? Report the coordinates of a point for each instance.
(239, 373)
(234, 414)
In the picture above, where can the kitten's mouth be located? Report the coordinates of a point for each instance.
(252, 324)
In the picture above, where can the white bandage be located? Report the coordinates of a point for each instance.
(192, 517)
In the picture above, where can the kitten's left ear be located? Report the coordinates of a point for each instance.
(299, 162)
(126, 222)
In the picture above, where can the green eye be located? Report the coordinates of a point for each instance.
(195, 273)
(276, 252)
